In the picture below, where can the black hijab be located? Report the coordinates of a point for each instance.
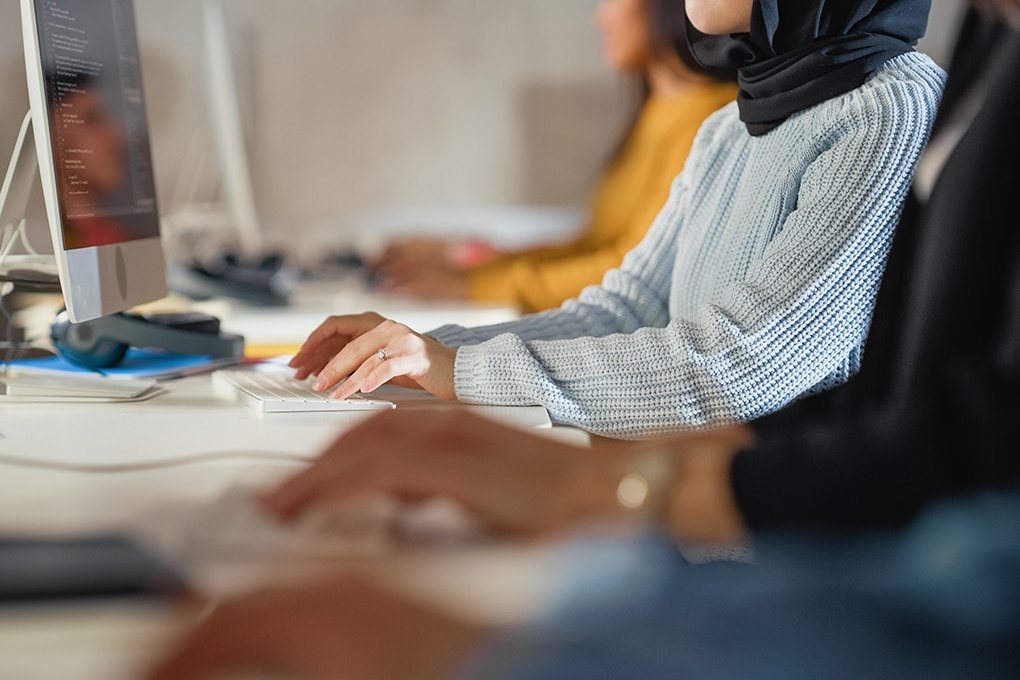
(802, 52)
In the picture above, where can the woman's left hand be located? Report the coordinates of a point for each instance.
(373, 355)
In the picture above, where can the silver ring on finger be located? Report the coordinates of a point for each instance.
(382, 354)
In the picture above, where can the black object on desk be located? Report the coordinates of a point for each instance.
(261, 281)
(101, 343)
(82, 568)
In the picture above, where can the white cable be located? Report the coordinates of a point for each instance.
(14, 184)
(23, 231)
(185, 189)
(5, 189)
(11, 236)
(7, 242)
(9, 177)
(177, 461)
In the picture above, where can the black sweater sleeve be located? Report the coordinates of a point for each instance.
(932, 410)
(863, 471)
(882, 467)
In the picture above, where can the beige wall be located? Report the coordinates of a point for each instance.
(361, 104)
(366, 104)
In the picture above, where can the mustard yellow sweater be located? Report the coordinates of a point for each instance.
(625, 201)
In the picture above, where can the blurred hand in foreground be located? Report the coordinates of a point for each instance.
(514, 481)
(338, 628)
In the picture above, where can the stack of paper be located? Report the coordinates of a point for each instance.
(73, 387)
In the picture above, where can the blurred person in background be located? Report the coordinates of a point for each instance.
(646, 38)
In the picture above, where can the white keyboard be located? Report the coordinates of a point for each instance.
(277, 392)
(234, 526)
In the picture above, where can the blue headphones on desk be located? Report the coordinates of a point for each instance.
(103, 342)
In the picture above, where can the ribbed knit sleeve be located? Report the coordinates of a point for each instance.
(754, 286)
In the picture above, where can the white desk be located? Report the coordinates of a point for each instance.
(313, 301)
(110, 641)
(113, 640)
(187, 420)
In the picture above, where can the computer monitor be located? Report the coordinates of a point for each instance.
(228, 130)
(212, 207)
(218, 248)
(92, 140)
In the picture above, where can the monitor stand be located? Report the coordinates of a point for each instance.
(37, 269)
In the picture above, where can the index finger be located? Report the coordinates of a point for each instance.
(345, 325)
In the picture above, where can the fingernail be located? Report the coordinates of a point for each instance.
(320, 384)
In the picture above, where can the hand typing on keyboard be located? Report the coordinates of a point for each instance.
(270, 389)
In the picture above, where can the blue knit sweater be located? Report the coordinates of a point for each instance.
(754, 286)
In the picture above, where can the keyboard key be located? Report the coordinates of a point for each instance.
(278, 392)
